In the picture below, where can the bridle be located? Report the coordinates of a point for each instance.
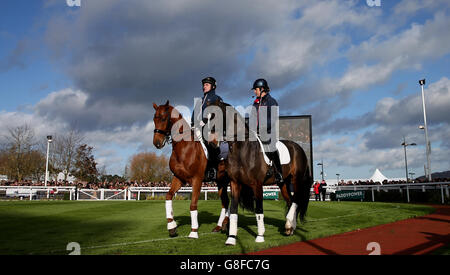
(167, 133)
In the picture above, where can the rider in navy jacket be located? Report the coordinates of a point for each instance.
(268, 101)
(264, 99)
(209, 97)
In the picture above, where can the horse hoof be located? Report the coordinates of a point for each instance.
(231, 241)
(289, 231)
(173, 232)
(259, 239)
(225, 225)
(193, 235)
(217, 229)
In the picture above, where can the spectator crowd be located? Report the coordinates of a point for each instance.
(99, 185)
(124, 185)
(385, 182)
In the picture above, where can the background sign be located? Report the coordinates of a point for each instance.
(270, 195)
(349, 195)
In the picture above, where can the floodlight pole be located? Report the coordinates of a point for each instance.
(321, 164)
(406, 161)
(428, 146)
(49, 140)
(404, 144)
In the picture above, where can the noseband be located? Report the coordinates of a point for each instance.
(167, 134)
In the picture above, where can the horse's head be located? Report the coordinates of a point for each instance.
(162, 120)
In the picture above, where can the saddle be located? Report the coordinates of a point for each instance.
(283, 152)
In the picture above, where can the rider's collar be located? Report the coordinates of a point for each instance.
(212, 91)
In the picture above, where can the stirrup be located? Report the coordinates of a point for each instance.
(211, 174)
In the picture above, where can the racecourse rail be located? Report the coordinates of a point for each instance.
(134, 193)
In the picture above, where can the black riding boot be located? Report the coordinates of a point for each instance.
(276, 165)
(211, 167)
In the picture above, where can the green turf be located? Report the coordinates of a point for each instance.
(139, 227)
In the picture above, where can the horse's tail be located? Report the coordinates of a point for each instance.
(247, 198)
(302, 198)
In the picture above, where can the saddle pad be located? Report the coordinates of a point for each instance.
(200, 138)
(283, 151)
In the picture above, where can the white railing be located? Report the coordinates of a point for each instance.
(34, 192)
(442, 186)
(102, 194)
(134, 193)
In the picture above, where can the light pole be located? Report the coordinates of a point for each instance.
(49, 140)
(338, 177)
(411, 176)
(404, 144)
(321, 164)
(428, 145)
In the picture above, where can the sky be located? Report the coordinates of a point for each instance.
(353, 67)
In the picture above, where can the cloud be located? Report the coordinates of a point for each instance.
(71, 107)
(16, 59)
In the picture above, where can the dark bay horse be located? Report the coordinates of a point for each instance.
(187, 163)
(247, 170)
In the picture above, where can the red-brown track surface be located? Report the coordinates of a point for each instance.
(414, 236)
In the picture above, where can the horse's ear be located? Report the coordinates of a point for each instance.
(155, 106)
(167, 103)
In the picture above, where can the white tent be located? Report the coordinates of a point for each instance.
(378, 176)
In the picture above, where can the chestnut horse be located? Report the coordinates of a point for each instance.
(247, 170)
(188, 164)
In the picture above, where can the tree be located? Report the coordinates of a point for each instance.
(20, 143)
(64, 151)
(85, 167)
(36, 160)
(149, 167)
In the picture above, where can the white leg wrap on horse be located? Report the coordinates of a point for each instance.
(169, 210)
(261, 229)
(233, 224)
(233, 230)
(291, 221)
(222, 216)
(291, 214)
(171, 225)
(194, 221)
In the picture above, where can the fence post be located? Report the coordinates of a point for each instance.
(407, 192)
(139, 195)
(442, 194)
(102, 194)
(31, 194)
(373, 195)
(206, 195)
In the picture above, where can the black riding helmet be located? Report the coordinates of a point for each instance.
(261, 83)
(210, 80)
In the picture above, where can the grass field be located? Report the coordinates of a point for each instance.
(139, 227)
